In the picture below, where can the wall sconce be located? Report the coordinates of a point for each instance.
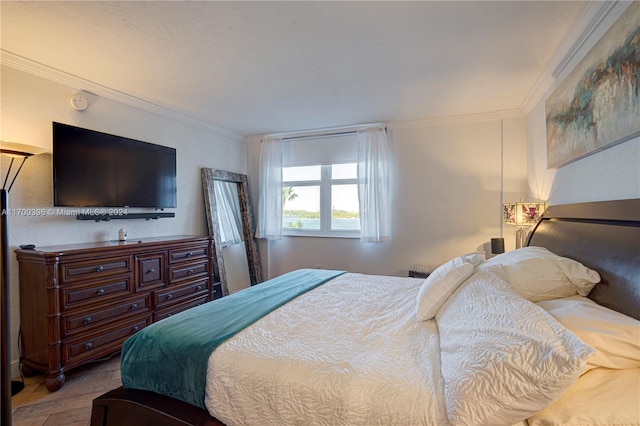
(522, 214)
(15, 151)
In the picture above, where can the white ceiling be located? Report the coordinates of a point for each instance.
(261, 67)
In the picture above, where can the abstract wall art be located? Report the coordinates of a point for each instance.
(598, 104)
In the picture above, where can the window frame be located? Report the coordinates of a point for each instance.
(325, 183)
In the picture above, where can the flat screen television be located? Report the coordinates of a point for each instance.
(95, 169)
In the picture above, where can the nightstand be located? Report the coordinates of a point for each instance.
(418, 274)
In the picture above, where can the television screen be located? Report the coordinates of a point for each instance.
(94, 169)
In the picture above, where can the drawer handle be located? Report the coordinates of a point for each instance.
(133, 306)
(88, 346)
(198, 287)
(189, 271)
(135, 328)
(169, 296)
(99, 268)
(189, 254)
(86, 320)
(151, 271)
(100, 292)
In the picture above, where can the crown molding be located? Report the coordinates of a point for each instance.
(597, 16)
(510, 114)
(592, 17)
(458, 119)
(38, 69)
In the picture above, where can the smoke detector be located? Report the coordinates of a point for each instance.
(78, 102)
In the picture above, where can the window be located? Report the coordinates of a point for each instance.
(320, 199)
(321, 182)
(345, 211)
(301, 197)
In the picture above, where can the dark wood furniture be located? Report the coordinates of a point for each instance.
(604, 236)
(79, 303)
(125, 407)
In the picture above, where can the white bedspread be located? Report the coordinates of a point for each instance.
(322, 369)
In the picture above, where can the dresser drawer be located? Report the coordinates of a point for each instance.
(173, 295)
(87, 320)
(94, 269)
(151, 271)
(188, 254)
(102, 342)
(188, 271)
(95, 292)
(174, 309)
(80, 302)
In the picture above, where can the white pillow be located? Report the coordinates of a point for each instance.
(614, 336)
(602, 397)
(537, 274)
(502, 357)
(439, 285)
(475, 258)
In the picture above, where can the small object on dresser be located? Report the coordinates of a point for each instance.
(122, 234)
(28, 246)
(420, 271)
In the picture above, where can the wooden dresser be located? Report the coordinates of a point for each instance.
(79, 303)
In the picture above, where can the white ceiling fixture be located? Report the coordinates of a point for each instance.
(263, 67)
(78, 102)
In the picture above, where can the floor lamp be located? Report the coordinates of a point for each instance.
(15, 151)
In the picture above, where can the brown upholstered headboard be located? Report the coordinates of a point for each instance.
(604, 236)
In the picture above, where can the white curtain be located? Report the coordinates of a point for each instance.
(228, 208)
(374, 182)
(270, 197)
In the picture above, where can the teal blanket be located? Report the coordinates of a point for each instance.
(170, 357)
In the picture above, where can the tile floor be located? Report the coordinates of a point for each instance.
(71, 405)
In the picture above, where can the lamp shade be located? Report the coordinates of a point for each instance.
(523, 213)
(14, 149)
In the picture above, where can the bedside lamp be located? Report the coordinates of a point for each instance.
(15, 151)
(522, 214)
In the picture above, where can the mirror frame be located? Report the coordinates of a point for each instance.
(253, 258)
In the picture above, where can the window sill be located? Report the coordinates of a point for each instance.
(318, 234)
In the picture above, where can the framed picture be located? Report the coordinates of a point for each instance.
(598, 104)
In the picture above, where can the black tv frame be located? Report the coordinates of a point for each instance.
(91, 211)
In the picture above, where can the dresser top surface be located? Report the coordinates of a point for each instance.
(113, 244)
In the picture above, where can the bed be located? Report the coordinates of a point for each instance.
(432, 352)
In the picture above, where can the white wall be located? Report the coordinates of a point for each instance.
(447, 200)
(29, 104)
(611, 174)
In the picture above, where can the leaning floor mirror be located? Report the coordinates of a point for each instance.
(230, 223)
